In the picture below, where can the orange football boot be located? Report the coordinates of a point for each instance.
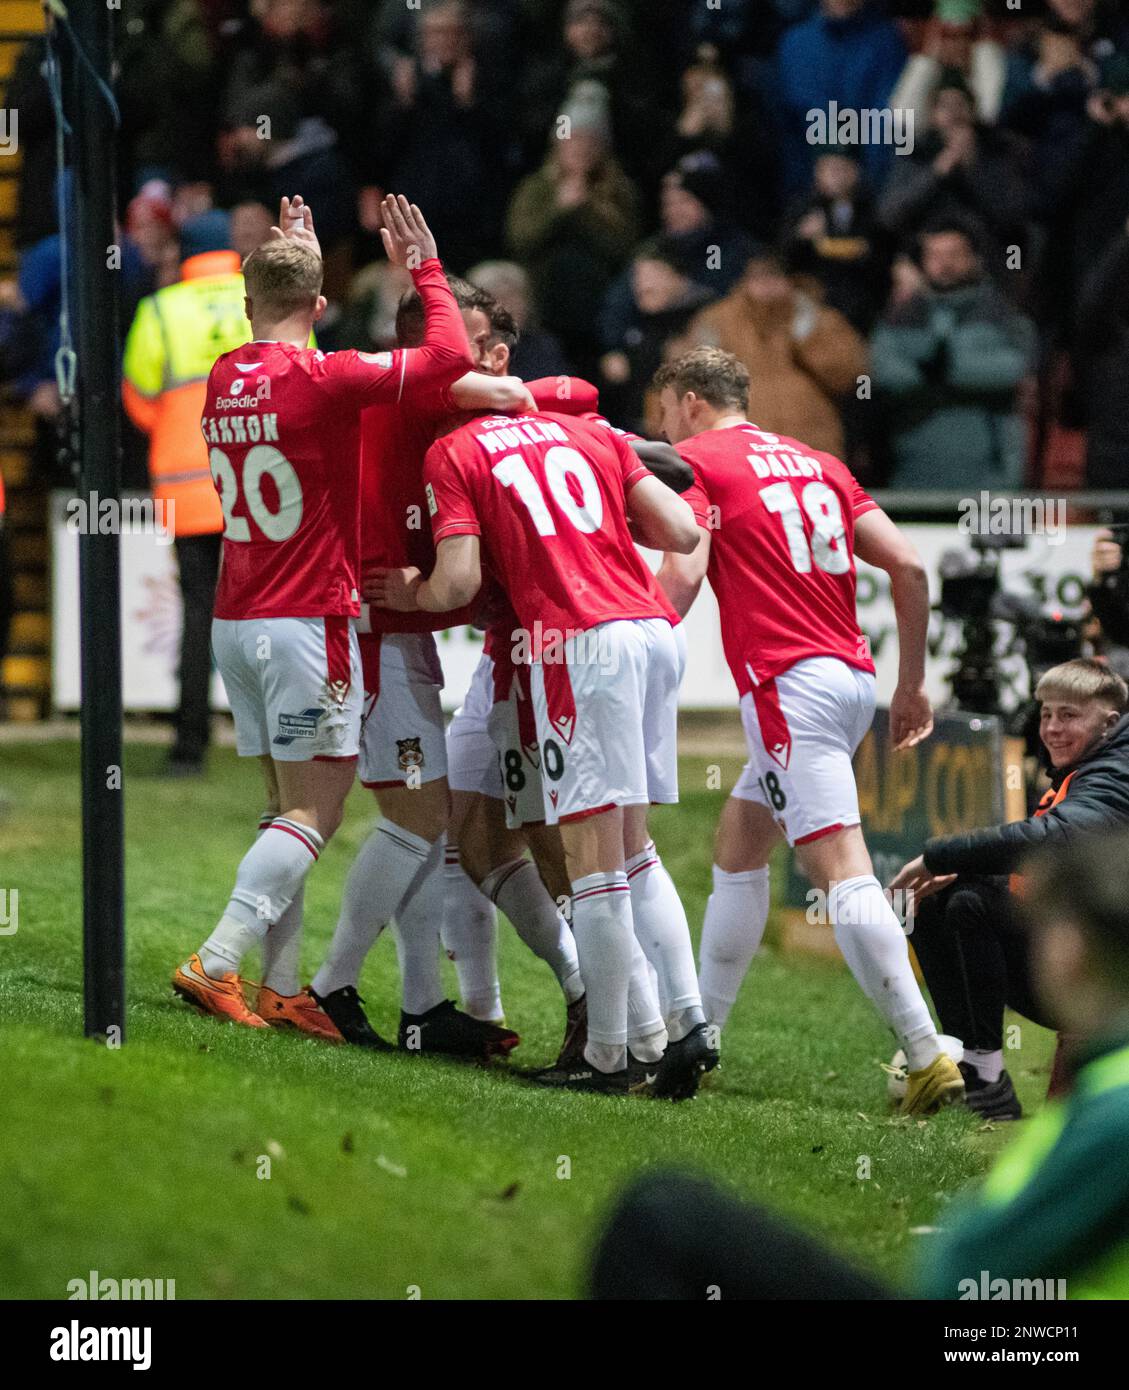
(222, 998)
(299, 1012)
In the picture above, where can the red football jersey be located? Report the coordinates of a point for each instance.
(395, 530)
(282, 426)
(781, 519)
(547, 494)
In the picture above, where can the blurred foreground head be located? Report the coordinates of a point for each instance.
(1077, 902)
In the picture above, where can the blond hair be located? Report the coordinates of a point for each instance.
(282, 278)
(1083, 679)
(716, 376)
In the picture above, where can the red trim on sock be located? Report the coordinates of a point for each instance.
(646, 864)
(514, 868)
(334, 758)
(288, 830)
(596, 892)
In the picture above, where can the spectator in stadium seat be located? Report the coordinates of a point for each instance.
(250, 224)
(832, 235)
(1101, 365)
(167, 85)
(955, 42)
(969, 940)
(574, 223)
(1082, 196)
(1050, 75)
(267, 147)
(598, 46)
(696, 227)
(959, 167)
(1055, 1206)
(666, 298)
(948, 362)
(849, 53)
(368, 318)
(802, 356)
(393, 33)
(724, 148)
(538, 353)
(149, 226)
(443, 138)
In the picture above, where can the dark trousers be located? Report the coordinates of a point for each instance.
(676, 1237)
(974, 956)
(199, 560)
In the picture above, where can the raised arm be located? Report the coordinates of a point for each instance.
(444, 354)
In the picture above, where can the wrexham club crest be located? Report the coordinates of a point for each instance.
(410, 753)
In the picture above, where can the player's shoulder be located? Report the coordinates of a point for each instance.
(247, 360)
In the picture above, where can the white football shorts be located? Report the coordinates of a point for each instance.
(472, 762)
(294, 685)
(403, 741)
(802, 729)
(607, 719)
(492, 742)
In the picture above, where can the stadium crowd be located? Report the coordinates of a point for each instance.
(946, 309)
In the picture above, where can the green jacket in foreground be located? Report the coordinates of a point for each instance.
(1056, 1204)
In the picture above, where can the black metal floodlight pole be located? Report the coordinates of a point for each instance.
(99, 380)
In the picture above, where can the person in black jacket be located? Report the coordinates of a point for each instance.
(969, 942)
(1101, 362)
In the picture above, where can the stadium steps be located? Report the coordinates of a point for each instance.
(26, 675)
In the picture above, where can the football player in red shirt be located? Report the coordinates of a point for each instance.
(497, 807)
(399, 870)
(281, 420)
(780, 525)
(544, 501)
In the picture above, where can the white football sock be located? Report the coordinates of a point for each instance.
(874, 946)
(283, 941)
(282, 946)
(601, 922)
(646, 1031)
(268, 877)
(418, 919)
(989, 1065)
(470, 938)
(517, 889)
(732, 931)
(381, 874)
(664, 934)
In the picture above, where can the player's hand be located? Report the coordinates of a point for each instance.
(296, 223)
(392, 588)
(513, 395)
(911, 717)
(1106, 557)
(916, 882)
(406, 236)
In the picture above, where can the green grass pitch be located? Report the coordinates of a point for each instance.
(395, 1177)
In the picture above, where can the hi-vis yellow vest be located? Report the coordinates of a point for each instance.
(175, 337)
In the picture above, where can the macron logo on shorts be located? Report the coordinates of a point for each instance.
(780, 753)
(564, 725)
